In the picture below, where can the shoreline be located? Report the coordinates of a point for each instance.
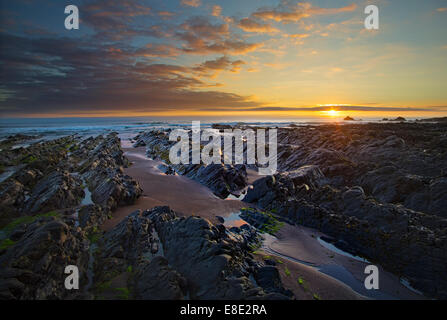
(160, 189)
(299, 246)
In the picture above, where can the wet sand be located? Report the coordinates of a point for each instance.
(300, 245)
(185, 196)
(326, 273)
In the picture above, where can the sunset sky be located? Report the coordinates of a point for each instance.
(235, 58)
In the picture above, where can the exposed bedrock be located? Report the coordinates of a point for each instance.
(58, 190)
(222, 179)
(195, 258)
(65, 173)
(33, 267)
(401, 163)
(409, 243)
(53, 199)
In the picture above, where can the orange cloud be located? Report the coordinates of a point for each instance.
(250, 25)
(302, 10)
(328, 11)
(299, 35)
(166, 14)
(441, 9)
(216, 11)
(191, 3)
(232, 47)
(213, 67)
(280, 16)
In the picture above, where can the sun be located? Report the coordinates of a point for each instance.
(332, 113)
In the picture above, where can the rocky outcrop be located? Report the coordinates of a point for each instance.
(222, 179)
(33, 267)
(102, 170)
(58, 190)
(409, 243)
(12, 197)
(399, 163)
(117, 191)
(198, 259)
(156, 280)
(54, 175)
(91, 215)
(48, 220)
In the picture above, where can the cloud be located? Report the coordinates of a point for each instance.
(298, 38)
(299, 35)
(298, 12)
(212, 67)
(226, 47)
(216, 11)
(166, 14)
(202, 37)
(327, 11)
(111, 19)
(160, 50)
(250, 25)
(191, 3)
(65, 75)
(441, 9)
(101, 10)
(280, 16)
(201, 27)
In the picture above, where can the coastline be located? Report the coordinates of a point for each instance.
(331, 274)
(111, 202)
(181, 194)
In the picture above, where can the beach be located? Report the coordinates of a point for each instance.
(112, 204)
(330, 273)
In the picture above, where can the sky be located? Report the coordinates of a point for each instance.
(242, 59)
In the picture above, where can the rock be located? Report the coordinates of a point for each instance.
(157, 281)
(268, 278)
(117, 190)
(221, 126)
(194, 256)
(34, 266)
(12, 197)
(220, 219)
(222, 179)
(91, 215)
(59, 190)
(310, 175)
(270, 262)
(168, 170)
(403, 241)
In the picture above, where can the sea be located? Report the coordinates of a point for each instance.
(130, 126)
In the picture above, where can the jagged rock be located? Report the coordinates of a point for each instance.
(116, 191)
(156, 280)
(33, 268)
(408, 243)
(268, 278)
(206, 261)
(222, 179)
(92, 215)
(58, 190)
(12, 197)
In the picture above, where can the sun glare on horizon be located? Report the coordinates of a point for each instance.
(332, 113)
